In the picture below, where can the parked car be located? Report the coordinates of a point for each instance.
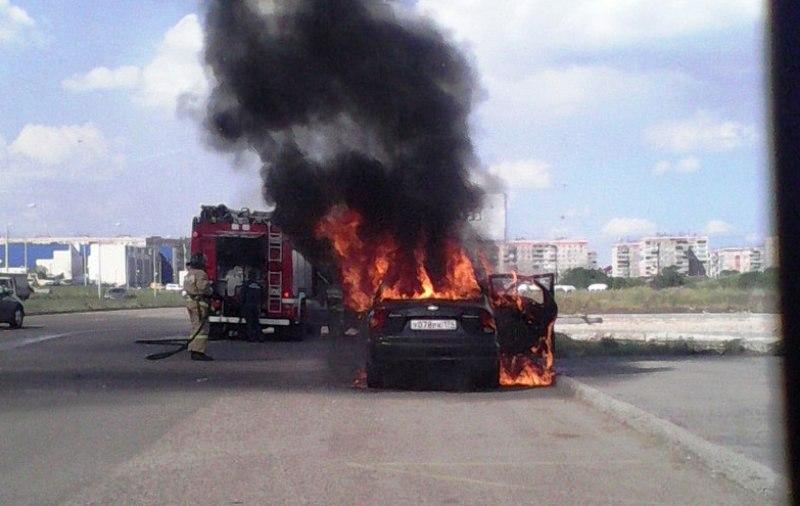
(18, 284)
(11, 310)
(173, 287)
(118, 293)
(564, 288)
(598, 287)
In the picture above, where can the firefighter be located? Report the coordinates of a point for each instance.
(198, 291)
(251, 306)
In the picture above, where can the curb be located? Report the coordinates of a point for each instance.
(745, 472)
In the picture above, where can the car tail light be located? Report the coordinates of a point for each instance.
(378, 319)
(487, 322)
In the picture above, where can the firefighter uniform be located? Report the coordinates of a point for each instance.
(251, 308)
(198, 291)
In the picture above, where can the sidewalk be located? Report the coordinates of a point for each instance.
(734, 402)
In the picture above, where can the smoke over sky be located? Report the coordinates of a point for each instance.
(347, 102)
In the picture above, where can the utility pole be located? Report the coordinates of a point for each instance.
(99, 273)
(85, 260)
(25, 254)
(6, 257)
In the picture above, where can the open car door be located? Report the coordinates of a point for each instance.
(525, 311)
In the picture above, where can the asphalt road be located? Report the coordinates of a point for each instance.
(86, 420)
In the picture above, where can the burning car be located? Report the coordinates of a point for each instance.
(417, 333)
(503, 337)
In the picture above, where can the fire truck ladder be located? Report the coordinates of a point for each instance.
(274, 278)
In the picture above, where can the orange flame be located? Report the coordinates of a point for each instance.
(523, 370)
(379, 265)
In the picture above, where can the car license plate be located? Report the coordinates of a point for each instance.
(433, 324)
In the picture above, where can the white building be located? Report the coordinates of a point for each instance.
(572, 253)
(120, 264)
(593, 260)
(650, 255)
(529, 257)
(625, 260)
(67, 263)
(736, 259)
(543, 256)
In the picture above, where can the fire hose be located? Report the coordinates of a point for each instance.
(183, 346)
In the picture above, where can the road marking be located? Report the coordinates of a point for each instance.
(33, 340)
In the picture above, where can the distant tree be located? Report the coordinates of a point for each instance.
(582, 278)
(669, 277)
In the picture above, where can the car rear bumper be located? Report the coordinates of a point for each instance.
(478, 354)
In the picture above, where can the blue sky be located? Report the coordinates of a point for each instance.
(605, 119)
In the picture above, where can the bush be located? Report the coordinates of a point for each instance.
(669, 277)
(581, 278)
(621, 283)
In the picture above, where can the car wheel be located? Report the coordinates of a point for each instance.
(487, 378)
(18, 318)
(375, 376)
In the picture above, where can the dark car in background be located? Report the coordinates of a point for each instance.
(118, 293)
(423, 336)
(11, 310)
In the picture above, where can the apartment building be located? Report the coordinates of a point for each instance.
(736, 259)
(650, 255)
(688, 253)
(529, 257)
(538, 256)
(625, 260)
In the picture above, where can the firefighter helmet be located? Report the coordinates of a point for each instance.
(197, 261)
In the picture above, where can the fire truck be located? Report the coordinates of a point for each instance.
(244, 243)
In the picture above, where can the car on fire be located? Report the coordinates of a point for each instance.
(424, 332)
(410, 334)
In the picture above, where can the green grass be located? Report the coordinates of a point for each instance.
(67, 299)
(643, 299)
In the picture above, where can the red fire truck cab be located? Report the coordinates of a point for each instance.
(238, 243)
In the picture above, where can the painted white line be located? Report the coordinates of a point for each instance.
(10, 345)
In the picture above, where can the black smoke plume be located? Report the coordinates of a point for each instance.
(352, 102)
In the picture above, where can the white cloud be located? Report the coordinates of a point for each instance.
(524, 174)
(177, 68)
(557, 92)
(175, 71)
(102, 78)
(718, 227)
(53, 145)
(533, 29)
(59, 154)
(14, 22)
(701, 132)
(684, 165)
(623, 227)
